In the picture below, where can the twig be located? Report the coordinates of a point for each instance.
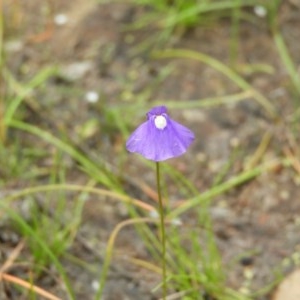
(15, 253)
(27, 285)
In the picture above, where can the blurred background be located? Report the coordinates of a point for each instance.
(77, 77)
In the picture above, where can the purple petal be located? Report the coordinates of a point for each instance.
(156, 111)
(160, 144)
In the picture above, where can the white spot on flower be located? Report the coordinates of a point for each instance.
(160, 122)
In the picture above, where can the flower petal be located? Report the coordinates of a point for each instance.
(160, 144)
(182, 134)
(137, 142)
(156, 111)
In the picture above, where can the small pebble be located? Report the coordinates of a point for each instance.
(92, 97)
(153, 214)
(260, 11)
(246, 261)
(76, 70)
(176, 222)
(60, 19)
(234, 142)
(13, 46)
(95, 285)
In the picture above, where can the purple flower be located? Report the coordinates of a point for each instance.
(160, 138)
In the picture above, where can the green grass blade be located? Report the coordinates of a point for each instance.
(222, 188)
(222, 68)
(287, 60)
(203, 8)
(29, 231)
(23, 91)
(98, 172)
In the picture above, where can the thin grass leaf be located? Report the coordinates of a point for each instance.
(224, 187)
(204, 8)
(219, 66)
(30, 232)
(287, 60)
(24, 90)
(100, 173)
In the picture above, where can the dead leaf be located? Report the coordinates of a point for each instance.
(289, 288)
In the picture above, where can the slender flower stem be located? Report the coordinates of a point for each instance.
(162, 232)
